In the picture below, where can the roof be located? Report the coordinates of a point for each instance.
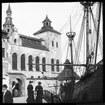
(46, 19)
(67, 74)
(31, 38)
(8, 22)
(33, 43)
(46, 29)
(9, 9)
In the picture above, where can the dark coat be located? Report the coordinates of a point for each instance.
(8, 97)
(30, 98)
(52, 98)
(39, 96)
(17, 86)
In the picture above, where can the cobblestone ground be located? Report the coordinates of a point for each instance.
(23, 100)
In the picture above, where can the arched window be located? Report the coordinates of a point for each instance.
(57, 44)
(52, 66)
(23, 62)
(43, 62)
(37, 63)
(14, 61)
(57, 66)
(30, 62)
(52, 43)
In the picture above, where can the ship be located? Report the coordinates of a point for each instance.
(89, 88)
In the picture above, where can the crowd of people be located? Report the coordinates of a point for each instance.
(7, 96)
(36, 95)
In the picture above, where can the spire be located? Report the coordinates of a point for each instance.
(47, 19)
(9, 10)
(46, 16)
(70, 24)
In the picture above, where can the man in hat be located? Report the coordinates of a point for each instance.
(39, 90)
(7, 96)
(30, 98)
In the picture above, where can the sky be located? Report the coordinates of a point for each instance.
(28, 17)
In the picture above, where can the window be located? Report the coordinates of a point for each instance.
(37, 63)
(52, 43)
(3, 52)
(14, 40)
(43, 62)
(30, 62)
(14, 61)
(7, 30)
(52, 66)
(47, 24)
(57, 44)
(23, 62)
(57, 66)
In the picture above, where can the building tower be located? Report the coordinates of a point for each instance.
(52, 39)
(8, 26)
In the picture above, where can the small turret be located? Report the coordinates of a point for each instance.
(8, 26)
(46, 22)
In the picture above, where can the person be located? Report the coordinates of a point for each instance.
(30, 98)
(7, 96)
(61, 88)
(52, 98)
(13, 88)
(39, 90)
(16, 89)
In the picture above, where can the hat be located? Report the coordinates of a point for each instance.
(39, 82)
(5, 86)
(16, 80)
(30, 81)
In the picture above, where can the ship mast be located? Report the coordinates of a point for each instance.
(87, 6)
(70, 36)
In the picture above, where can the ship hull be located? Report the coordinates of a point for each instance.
(90, 89)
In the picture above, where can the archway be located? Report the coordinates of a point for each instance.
(19, 87)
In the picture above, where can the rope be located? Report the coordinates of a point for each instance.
(67, 50)
(73, 17)
(77, 21)
(80, 39)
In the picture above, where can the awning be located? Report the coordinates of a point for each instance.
(15, 73)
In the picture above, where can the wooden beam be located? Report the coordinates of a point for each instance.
(63, 64)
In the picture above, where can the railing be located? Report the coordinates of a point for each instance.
(47, 95)
(49, 98)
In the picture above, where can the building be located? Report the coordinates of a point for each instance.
(21, 53)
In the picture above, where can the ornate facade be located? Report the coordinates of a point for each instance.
(20, 53)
